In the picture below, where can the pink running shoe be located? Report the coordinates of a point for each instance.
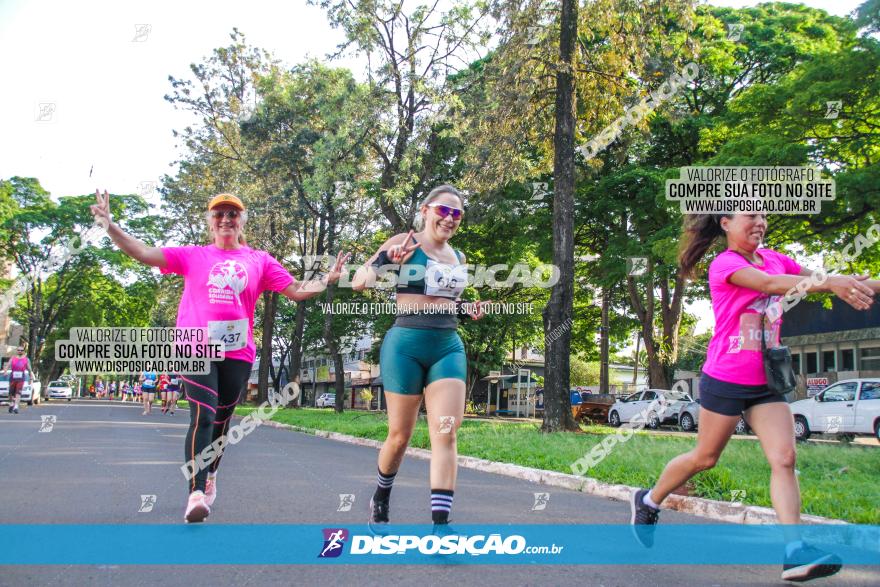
(196, 508)
(210, 491)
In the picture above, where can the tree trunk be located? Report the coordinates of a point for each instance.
(296, 347)
(661, 354)
(603, 343)
(271, 301)
(339, 379)
(558, 312)
(636, 361)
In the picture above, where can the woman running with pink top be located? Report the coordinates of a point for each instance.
(747, 283)
(222, 283)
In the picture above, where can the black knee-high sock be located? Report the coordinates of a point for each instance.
(441, 505)
(384, 482)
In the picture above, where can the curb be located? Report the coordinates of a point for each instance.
(698, 506)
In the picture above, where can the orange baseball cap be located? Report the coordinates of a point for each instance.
(225, 199)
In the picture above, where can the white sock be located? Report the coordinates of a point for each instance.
(792, 546)
(650, 502)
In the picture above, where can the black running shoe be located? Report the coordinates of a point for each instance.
(441, 530)
(378, 522)
(807, 563)
(643, 519)
(10, 409)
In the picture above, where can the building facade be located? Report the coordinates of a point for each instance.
(833, 344)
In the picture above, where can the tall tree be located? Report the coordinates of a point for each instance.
(528, 85)
(57, 266)
(558, 312)
(410, 53)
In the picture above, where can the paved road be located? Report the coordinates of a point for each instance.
(101, 457)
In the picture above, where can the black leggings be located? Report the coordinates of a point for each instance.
(212, 399)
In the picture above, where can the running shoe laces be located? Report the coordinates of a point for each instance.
(210, 491)
(379, 511)
(196, 508)
(644, 519)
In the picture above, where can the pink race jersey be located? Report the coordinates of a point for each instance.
(734, 353)
(221, 289)
(19, 367)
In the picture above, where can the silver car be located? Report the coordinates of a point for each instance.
(689, 419)
(640, 404)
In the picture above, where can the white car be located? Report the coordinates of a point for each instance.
(626, 409)
(30, 392)
(59, 390)
(851, 406)
(326, 400)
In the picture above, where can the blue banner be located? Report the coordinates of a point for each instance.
(280, 544)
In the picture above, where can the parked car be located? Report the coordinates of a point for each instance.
(590, 407)
(850, 407)
(689, 418)
(30, 392)
(59, 390)
(326, 400)
(626, 409)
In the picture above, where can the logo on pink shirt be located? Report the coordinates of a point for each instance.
(735, 344)
(226, 281)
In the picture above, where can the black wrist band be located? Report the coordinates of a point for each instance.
(460, 310)
(382, 260)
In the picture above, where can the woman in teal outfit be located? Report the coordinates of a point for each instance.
(422, 353)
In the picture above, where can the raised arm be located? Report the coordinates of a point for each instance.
(854, 291)
(128, 244)
(398, 250)
(303, 290)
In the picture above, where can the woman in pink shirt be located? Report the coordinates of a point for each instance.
(222, 283)
(747, 282)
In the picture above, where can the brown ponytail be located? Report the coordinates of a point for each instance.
(700, 233)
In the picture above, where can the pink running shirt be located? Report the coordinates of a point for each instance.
(221, 289)
(19, 367)
(734, 353)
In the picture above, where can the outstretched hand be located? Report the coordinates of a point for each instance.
(851, 290)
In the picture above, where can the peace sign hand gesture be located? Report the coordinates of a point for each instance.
(398, 254)
(101, 210)
(336, 271)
